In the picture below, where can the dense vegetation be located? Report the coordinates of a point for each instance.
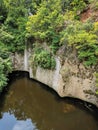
(58, 23)
(44, 59)
(51, 22)
(5, 65)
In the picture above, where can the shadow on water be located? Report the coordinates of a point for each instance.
(30, 105)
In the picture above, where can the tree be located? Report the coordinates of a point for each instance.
(5, 65)
(47, 23)
(82, 36)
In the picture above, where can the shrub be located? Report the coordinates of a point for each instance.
(83, 36)
(44, 59)
(5, 65)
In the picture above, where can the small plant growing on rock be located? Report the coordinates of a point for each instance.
(44, 59)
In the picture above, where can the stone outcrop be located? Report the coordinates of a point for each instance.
(69, 79)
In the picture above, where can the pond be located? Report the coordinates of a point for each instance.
(30, 105)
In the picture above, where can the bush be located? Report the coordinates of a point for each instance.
(5, 65)
(44, 59)
(83, 36)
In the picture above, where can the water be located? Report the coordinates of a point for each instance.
(29, 105)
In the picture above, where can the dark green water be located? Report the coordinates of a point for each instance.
(27, 105)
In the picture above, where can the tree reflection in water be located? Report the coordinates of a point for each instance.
(29, 105)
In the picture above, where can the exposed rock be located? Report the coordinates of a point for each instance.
(69, 79)
(18, 61)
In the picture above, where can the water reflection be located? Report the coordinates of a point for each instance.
(29, 106)
(10, 122)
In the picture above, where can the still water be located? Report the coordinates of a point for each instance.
(29, 105)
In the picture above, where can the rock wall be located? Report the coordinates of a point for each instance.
(18, 61)
(68, 79)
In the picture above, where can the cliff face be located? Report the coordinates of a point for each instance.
(69, 79)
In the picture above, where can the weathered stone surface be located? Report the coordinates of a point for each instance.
(18, 61)
(68, 79)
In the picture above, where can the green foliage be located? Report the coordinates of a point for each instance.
(5, 36)
(94, 4)
(13, 18)
(78, 5)
(54, 22)
(5, 65)
(57, 22)
(3, 12)
(96, 7)
(73, 8)
(47, 22)
(83, 37)
(44, 59)
(14, 23)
